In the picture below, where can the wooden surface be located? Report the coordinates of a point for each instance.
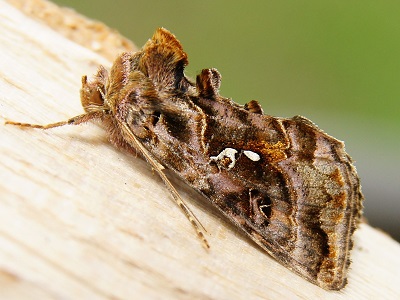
(81, 220)
(91, 34)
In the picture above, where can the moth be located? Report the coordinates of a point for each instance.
(288, 185)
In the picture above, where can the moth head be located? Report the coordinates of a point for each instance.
(93, 90)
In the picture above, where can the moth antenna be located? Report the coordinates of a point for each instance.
(178, 200)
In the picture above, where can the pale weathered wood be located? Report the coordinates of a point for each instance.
(91, 34)
(81, 220)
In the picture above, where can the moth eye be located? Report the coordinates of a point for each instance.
(265, 207)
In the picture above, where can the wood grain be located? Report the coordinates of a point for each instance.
(81, 220)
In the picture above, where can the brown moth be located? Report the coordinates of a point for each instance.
(289, 186)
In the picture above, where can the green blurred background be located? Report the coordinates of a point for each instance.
(335, 62)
